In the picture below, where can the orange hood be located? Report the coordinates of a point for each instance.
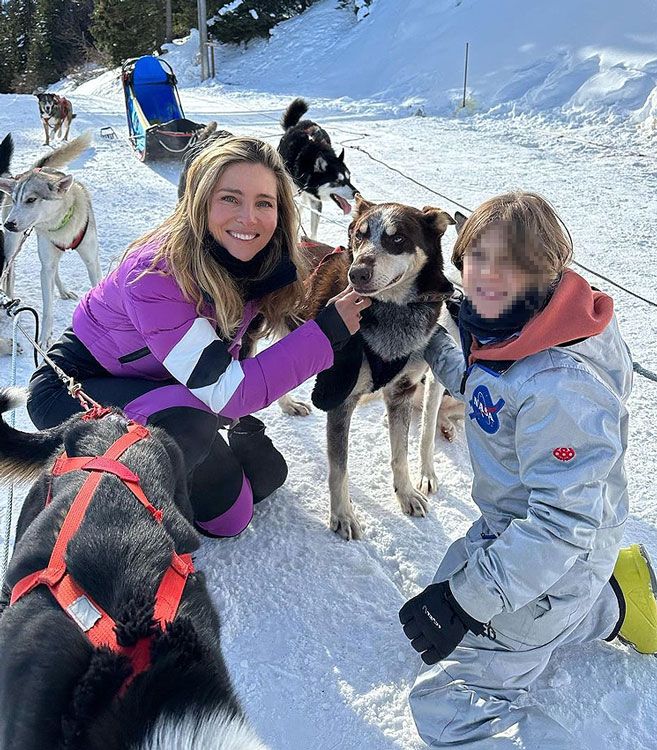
(574, 312)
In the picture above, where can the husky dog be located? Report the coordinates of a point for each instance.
(202, 138)
(318, 172)
(56, 112)
(57, 688)
(59, 209)
(394, 257)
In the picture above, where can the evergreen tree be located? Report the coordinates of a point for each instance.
(40, 40)
(185, 17)
(128, 28)
(39, 68)
(253, 18)
(15, 33)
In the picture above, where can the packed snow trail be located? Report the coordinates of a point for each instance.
(309, 622)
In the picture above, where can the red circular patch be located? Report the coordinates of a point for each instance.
(564, 454)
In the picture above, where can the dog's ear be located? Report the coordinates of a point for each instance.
(350, 240)
(460, 221)
(7, 185)
(361, 205)
(63, 185)
(207, 131)
(437, 219)
(341, 156)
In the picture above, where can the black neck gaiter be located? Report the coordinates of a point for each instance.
(247, 273)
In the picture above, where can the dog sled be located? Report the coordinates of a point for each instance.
(157, 126)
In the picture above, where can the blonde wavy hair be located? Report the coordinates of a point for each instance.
(539, 241)
(183, 234)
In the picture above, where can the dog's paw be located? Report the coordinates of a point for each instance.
(134, 621)
(413, 502)
(68, 294)
(428, 483)
(294, 408)
(346, 525)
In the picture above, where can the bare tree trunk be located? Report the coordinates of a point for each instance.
(169, 30)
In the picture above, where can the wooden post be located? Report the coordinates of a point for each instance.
(465, 73)
(203, 37)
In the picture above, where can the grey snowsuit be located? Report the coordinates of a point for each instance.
(546, 424)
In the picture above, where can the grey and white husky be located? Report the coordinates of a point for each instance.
(58, 208)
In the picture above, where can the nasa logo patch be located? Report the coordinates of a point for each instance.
(484, 411)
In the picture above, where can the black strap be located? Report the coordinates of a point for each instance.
(622, 609)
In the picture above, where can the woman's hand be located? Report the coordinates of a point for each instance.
(350, 305)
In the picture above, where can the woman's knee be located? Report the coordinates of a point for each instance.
(230, 521)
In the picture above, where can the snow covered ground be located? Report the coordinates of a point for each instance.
(309, 622)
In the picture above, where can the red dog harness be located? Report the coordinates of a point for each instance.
(75, 241)
(98, 626)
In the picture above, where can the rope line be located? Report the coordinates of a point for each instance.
(359, 136)
(460, 205)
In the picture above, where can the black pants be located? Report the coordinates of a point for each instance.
(244, 470)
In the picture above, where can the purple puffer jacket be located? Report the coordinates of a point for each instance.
(145, 328)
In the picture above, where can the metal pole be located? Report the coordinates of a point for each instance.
(9, 508)
(465, 73)
(203, 37)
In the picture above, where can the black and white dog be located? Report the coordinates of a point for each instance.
(58, 689)
(318, 172)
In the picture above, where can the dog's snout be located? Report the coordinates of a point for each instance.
(10, 226)
(360, 274)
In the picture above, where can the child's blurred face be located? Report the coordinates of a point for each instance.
(492, 281)
(244, 209)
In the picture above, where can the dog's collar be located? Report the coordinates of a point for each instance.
(65, 219)
(76, 241)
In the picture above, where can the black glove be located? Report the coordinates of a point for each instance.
(435, 623)
(263, 464)
(333, 327)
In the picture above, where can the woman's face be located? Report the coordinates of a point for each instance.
(244, 209)
(492, 281)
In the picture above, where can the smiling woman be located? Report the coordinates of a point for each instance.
(244, 211)
(168, 336)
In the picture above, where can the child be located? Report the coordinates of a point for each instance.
(546, 385)
(166, 336)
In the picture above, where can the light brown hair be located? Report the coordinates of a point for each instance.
(539, 242)
(184, 232)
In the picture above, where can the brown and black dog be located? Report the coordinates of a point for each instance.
(56, 113)
(394, 258)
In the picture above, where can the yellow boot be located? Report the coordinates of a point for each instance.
(636, 578)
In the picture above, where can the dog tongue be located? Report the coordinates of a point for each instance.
(342, 202)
